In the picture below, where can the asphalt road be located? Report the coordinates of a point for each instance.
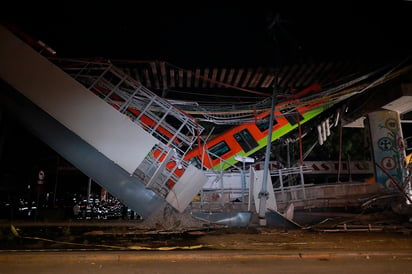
(210, 261)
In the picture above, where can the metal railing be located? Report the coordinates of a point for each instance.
(175, 130)
(222, 197)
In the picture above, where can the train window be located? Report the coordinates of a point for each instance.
(245, 140)
(292, 116)
(265, 125)
(219, 149)
(196, 162)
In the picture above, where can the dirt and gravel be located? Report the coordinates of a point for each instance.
(130, 235)
(366, 245)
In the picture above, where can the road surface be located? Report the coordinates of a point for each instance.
(233, 261)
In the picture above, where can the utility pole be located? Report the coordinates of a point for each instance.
(263, 194)
(274, 26)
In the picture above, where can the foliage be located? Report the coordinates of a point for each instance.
(352, 147)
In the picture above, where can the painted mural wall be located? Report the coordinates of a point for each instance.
(388, 148)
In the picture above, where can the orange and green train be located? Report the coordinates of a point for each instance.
(247, 139)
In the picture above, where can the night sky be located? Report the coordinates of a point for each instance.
(218, 32)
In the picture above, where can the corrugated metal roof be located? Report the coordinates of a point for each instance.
(207, 84)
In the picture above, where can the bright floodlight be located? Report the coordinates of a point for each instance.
(244, 159)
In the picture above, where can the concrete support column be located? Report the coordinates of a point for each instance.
(388, 148)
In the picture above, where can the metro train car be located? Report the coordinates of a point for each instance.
(247, 139)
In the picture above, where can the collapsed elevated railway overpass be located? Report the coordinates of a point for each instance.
(131, 140)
